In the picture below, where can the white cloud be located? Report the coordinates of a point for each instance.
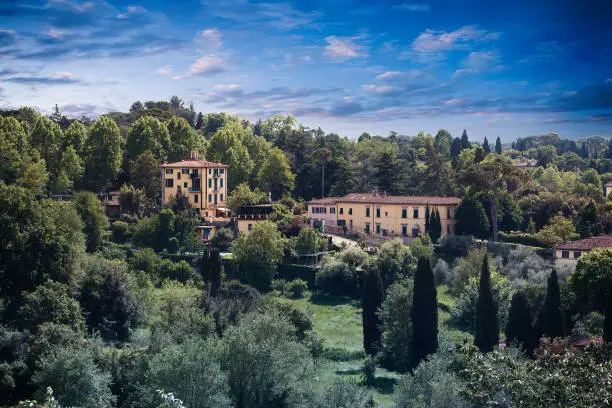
(389, 75)
(345, 47)
(165, 70)
(479, 61)
(209, 64)
(65, 75)
(378, 89)
(393, 75)
(412, 7)
(132, 10)
(453, 101)
(57, 34)
(609, 80)
(435, 41)
(211, 37)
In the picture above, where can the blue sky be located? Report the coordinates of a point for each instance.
(508, 70)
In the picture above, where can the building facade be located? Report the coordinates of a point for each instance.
(249, 215)
(204, 184)
(570, 252)
(383, 215)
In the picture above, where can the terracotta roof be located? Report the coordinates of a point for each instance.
(384, 199)
(194, 163)
(586, 244)
(323, 201)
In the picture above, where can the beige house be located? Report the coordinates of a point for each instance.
(322, 211)
(608, 188)
(570, 252)
(249, 215)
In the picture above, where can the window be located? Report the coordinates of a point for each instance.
(378, 228)
(185, 184)
(178, 176)
(324, 210)
(221, 171)
(209, 183)
(332, 210)
(185, 171)
(577, 254)
(404, 230)
(220, 182)
(220, 197)
(415, 213)
(209, 171)
(404, 213)
(250, 227)
(350, 211)
(565, 254)
(386, 214)
(209, 198)
(351, 224)
(367, 211)
(169, 171)
(195, 198)
(377, 212)
(341, 210)
(194, 172)
(342, 223)
(169, 183)
(385, 232)
(367, 228)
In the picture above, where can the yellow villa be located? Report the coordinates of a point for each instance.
(204, 184)
(384, 215)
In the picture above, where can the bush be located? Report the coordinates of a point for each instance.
(279, 285)
(335, 278)
(180, 271)
(522, 238)
(290, 272)
(297, 288)
(455, 246)
(368, 374)
(173, 245)
(524, 266)
(223, 238)
(120, 231)
(442, 272)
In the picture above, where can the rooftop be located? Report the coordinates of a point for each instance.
(586, 244)
(194, 163)
(323, 201)
(385, 199)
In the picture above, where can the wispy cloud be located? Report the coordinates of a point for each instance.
(60, 78)
(345, 47)
(462, 38)
(379, 89)
(478, 62)
(208, 64)
(211, 38)
(165, 70)
(411, 7)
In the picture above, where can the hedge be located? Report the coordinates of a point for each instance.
(291, 272)
(522, 238)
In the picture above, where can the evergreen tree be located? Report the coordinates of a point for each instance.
(372, 298)
(465, 143)
(486, 331)
(513, 145)
(498, 146)
(455, 149)
(199, 121)
(519, 329)
(427, 218)
(215, 268)
(607, 334)
(587, 220)
(435, 226)
(386, 172)
(479, 155)
(424, 313)
(485, 146)
(552, 319)
(471, 219)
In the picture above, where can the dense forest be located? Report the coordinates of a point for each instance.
(138, 312)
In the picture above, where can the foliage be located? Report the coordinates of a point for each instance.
(345, 394)
(551, 320)
(524, 266)
(371, 299)
(52, 303)
(395, 316)
(471, 219)
(233, 301)
(591, 281)
(519, 330)
(424, 313)
(336, 277)
(297, 288)
(94, 221)
(104, 153)
(275, 175)
(394, 259)
(368, 372)
(486, 326)
(243, 195)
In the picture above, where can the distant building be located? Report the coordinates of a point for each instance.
(526, 164)
(204, 184)
(110, 201)
(249, 215)
(608, 188)
(570, 252)
(383, 215)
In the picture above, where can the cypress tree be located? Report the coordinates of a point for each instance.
(485, 146)
(552, 319)
(519, 329)
(479, 155)
(486, 331)
(424, 313)
(371, 299)
(498, 146)
(607, 334)
(465, 143)
(215, 271)
(435, 226)
(513, 145)
(455, 149)
(427, 218)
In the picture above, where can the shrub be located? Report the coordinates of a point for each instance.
(297, 288)
(525, 265)
(442, 272)
(223, 238)
(120, 231)
(522, 238)
(173, 245)
(368, 373)
(279, 285)
(307, 241)
(345, 394)
(180, 271)
(335, 278)
(455, 246)
(395, 314)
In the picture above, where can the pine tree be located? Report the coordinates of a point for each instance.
(215, 271)
(486, 331)
(199, 121)
(372, 298)
(552, 319)
(607, 334)
(485, 146)
(498, 146)
(424, 313)
(465, 143)
(519, 329)
(513, 145)
(427, 218)
(435, 226)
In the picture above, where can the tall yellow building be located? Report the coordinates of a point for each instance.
(384, 215)
(204, 183)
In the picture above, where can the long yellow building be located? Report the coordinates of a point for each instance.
(204, 183)
(384, 215)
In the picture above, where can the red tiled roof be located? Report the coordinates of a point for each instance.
(586, 244)
(194, 163)
(384, 199)
(323, 201)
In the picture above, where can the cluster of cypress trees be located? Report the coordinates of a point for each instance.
(433, 224)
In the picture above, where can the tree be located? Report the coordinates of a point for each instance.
(192, 372)
(552, 317)
(479, 155)
(275, 175)
(256, 253)
(424, 313)
(148, 133)
(371, 299)
(183, 140)
(104, 153)
(455, 149)
(471, 219)
(591, 280)
(442, 143)
(387, 171)
(76, 137)
(587, 220)
(215, 268)
(145, 174)
(607, 329)
(435, 226)
(307, 241)
(243, 195)
(427, 218)
(346, 394)
(343, 179)
(50, 303)
(498, 146)
(94, 221)
(519, 330)
(227, 146)
(71, 170)
(395, 315)
(13, 143)
(74, 378)
(486, 331)
(48, 139)
(136, 107)
(322, 156)
(199, 121)
(465, 143)
(33, 175)
(485, 146)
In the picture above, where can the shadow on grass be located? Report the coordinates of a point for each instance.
(327, 300)
(349, 371)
